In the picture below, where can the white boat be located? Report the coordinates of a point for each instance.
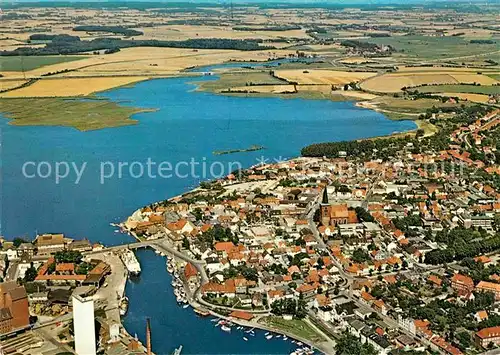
(245, 339)
(178, 350)
(225, 328)
(157, 251)
(299, 343)
(270, 336)
(278, 336)
(185, 306)
(267, 333)
(285, 337)
(123, 307)
(131, 262)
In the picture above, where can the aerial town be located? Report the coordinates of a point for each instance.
(396, 245)
(392, 245)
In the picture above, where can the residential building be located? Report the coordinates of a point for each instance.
(14, 308)
(487, 335)
(84, 326)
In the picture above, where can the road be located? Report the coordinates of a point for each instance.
(323, 247)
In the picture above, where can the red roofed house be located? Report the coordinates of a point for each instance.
(241, 315)
(486, 336)
(190, 273)
(224, 248)
(462, 284)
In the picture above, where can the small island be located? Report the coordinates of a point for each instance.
(252, 148)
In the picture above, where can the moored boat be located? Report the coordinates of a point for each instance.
(201, 313)
(225, 328)
(178, 351)
(123, 307)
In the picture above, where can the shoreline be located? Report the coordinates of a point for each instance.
(190, 72)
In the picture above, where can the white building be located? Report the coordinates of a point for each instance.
(83, 320)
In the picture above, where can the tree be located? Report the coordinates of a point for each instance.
(405, 265)
(185, 243)
(51, 268)
(30, 274)
(464, 340)
(360, 256)
(349, 345)
(18, 241)
(68, 256)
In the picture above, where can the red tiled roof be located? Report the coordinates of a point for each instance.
(190, 271)
(489, 332)
(241, 315)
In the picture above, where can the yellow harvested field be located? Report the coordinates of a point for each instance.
(474, 78)
(71, 87)
(147, 61)
(480, 98)
(10, 84)
(266, 89)
(389, 83)
(183, 32)
(356, 94)
(356, 60)
(442, 69)
(319, 88)
(319, 76)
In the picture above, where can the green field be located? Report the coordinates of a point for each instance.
(295, 326)
(229, 80)
(25, 63)
(83, 115)
(494, 76)
(412, 107)
(423, 47)
(470, 89)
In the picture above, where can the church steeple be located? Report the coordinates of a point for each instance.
(324, 201)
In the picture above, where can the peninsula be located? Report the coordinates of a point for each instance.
(252, 148)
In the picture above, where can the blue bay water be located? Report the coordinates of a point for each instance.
(186, 125)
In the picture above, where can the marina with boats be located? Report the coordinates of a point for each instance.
(249, 333)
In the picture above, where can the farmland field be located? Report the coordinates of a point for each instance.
(318, 77)
(26, 63)
(68, 87)
(424, 47)
(472, 89)
(240, 79)
(407, 106)
(389, 83)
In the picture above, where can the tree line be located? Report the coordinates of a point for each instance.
(118, 30)
(73, 45)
